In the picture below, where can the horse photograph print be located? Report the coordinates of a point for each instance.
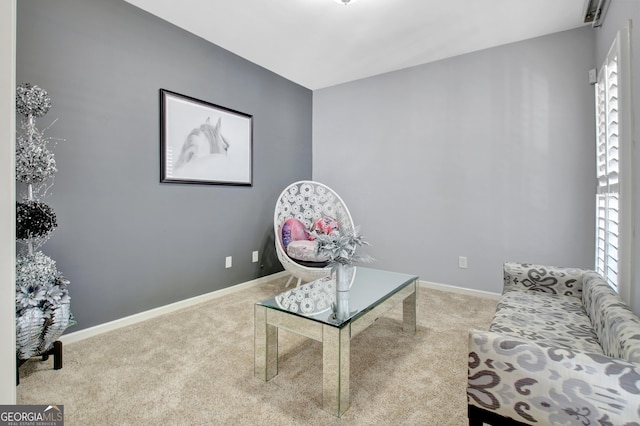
(204, 143)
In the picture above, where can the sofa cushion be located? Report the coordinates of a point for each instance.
(542, 278)
(546, 319)
(618, 328)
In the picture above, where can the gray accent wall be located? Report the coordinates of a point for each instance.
(618, 15)
(127, 242)
(488, 155)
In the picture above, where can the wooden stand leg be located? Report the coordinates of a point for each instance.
(19, 362)
(56, 351)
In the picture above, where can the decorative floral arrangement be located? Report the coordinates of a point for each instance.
(34, 219)
(340, 248)
(42, 304)
(34, 162)
(42, 299)
(39, 284)
(32, 100)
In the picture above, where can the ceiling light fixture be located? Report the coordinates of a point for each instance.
(346, 2)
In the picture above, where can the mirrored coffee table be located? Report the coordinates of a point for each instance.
(307, 310)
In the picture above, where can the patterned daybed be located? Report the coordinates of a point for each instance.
(561, 349)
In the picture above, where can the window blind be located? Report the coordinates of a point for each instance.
(615, 191)
(608, 190)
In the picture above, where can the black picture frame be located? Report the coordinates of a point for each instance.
(203, 143)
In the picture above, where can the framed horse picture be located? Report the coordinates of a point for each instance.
(203, 143)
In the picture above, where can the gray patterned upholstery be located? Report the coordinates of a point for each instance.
(618, 328)
(546, 279)
(549, 319)
(562, 349)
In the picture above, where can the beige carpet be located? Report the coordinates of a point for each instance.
(195, 367)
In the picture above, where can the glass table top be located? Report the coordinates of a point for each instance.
(315, 300)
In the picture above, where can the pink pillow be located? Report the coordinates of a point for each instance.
(293, 230)
(325, 225)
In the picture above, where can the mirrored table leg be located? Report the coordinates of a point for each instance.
(336, 345)
(409, 306)
(265, 346)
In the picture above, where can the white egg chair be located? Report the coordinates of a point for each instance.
(307, 201)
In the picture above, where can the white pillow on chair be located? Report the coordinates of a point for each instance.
(305, 250)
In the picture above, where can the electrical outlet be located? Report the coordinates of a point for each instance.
(228, 261)
(254, 256)
(462, 262)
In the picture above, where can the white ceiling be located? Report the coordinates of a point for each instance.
(320, 43)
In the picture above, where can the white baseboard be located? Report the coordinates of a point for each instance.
(162, 310)
(460, 290)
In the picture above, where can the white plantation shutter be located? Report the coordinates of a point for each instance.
(608, 191)
(614, 224)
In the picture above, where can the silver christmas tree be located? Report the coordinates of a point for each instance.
(42, 298)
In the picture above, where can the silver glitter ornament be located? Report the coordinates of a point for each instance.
(32, 100)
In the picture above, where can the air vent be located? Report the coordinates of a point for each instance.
(594, 11)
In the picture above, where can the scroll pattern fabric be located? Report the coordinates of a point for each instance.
(546, 279)
(540, 384)
(617, 327)
(562, 349)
